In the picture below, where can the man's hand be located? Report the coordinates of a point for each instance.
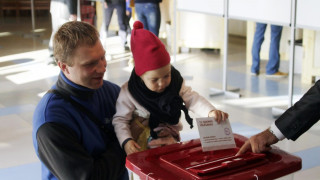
(131, 147)
(259, 143)
(218, 115)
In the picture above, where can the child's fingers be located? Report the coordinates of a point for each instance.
(225, 116)
(136, 145)
(218, 116)
(131, 147)
(132, 150)
(162, 141)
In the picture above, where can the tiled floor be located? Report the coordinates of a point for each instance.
(25, 76)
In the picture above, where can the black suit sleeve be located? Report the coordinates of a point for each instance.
(60, 150)
(302, 115)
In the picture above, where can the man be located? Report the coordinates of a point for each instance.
(148, 12)
(72, 131)
(291, 124)
(61, 12)
(120, 6)
(272, 68)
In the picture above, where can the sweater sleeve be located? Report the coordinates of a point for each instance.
(195, 102)
(124, 111)
(60, 150)
(302, 115)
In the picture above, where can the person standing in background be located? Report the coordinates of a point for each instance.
(128, 15)
(61, 12)
(272, 68)
(148, 12)
(120, 6)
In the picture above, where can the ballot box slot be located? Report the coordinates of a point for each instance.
(196, 162)
(228, 163)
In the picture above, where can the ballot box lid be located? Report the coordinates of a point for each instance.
(186, 160)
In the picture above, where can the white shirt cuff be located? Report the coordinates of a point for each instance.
(276, 131)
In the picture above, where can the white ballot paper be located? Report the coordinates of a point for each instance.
(214, 136)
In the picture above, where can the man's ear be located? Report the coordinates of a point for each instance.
(63, 66)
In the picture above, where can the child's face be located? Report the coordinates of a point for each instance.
(157, 80)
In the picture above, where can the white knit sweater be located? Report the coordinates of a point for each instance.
(127, 105)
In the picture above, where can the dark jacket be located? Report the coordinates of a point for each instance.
(72, 5)
(115, 1)
(148, 1)
(302, 115)
(69, 144)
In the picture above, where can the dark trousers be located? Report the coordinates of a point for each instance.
(121, 13)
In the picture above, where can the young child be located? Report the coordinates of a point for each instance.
(150, 103)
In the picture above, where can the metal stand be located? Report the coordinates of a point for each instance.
(32, 16)
(277, 111)
(78, 11)
(215, 92)
(224, 90)
(174, 32)
(103, 31)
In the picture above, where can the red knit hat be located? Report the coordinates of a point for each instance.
(149, 53)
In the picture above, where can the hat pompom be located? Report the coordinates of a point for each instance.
(138, 25)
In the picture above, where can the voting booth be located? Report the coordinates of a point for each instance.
(206, 15)
(307, 18)
(186, 160)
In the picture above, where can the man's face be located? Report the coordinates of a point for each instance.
(89, 66)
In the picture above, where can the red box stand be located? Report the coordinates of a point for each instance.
(186, 160)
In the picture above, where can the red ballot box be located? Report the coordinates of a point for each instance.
(186, 160)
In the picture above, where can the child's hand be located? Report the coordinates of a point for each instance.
(131, 147)
(218, 115)
(162, 141)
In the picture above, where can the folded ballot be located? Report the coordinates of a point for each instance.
(214, 136)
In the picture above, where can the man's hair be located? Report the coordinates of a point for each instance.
(70, 36)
